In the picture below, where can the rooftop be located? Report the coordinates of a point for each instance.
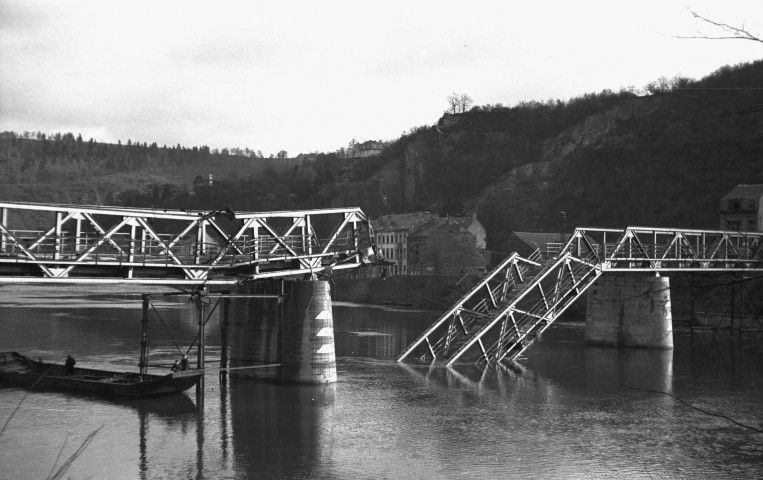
(745, 191)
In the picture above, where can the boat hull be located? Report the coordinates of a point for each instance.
(19, 370)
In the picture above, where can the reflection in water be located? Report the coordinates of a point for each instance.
(199, 442)
(377, 333)
(723, 356)
(143, 416)
(562, 412)
(278, 429)
(648, 369)
(224, 418)
(173, 409)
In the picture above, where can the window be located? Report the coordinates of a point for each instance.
(734, 204)
(733, 225)
(749, 204)
(752, 225)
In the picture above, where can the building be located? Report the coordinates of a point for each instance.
(199, 183)
(448, 245)
(420, 243)
(391, 232)
(366, 149)
(740, 209)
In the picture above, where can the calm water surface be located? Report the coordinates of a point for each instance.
(565, 411)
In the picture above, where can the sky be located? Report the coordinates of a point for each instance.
(310, 76)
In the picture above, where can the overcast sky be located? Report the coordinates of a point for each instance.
(307, 76)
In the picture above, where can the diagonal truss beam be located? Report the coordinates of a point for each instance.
(532, 304)
(14, 243)
(117, 244)
(473, 304)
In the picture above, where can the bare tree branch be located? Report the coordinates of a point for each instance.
(730, 32)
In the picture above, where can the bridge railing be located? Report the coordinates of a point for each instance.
(665, 249)
(191, 243)
(67, 246)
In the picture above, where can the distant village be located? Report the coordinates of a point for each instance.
(422, 243)
(425, 243)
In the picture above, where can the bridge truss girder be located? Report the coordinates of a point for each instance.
(463, 319)
(532, 309)
(507, 329)
(672, 250)
(94, 244)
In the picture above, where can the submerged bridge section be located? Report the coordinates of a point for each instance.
(502, 315)
(42, 243)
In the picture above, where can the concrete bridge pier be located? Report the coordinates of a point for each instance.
(629, 310)
(295, 330)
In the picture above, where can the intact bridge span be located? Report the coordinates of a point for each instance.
(42, 243)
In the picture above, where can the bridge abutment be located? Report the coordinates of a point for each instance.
(295, 331)
(629, 310)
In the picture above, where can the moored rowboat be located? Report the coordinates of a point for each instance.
(18, 369)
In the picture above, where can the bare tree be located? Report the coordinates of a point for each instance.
(459, 103)
(727, 32)
(453, 102)
(464, 102)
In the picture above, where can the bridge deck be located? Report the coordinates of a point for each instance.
(42, 243)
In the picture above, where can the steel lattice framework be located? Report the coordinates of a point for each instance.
(94, 244)
(469, 314)
(670, 250)
(532, 295)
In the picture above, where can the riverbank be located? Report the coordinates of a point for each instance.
(431, 292)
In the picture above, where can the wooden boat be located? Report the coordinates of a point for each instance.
(18, 369)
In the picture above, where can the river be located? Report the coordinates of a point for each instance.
(564, 411)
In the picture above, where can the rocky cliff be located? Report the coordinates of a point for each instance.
(608, 159)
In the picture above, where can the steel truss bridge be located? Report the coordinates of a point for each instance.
(503, 314)
(41, 243)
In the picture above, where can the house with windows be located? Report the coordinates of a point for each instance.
(369, 148)
(392, 232)
(740, 209)
(448, 245)
(423, 243)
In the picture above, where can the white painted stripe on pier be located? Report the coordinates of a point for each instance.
(325, 332)
(324, 315)
(328, 348)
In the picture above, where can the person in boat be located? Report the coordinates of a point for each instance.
(184, 363)
(69, 365)
(175, 366)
